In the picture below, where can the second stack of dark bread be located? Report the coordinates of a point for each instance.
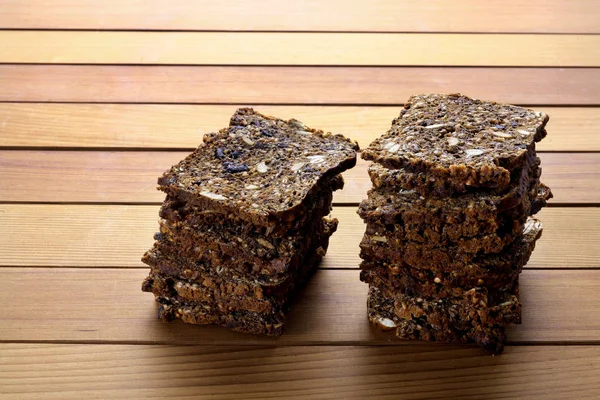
(245, 222)
(449, 219)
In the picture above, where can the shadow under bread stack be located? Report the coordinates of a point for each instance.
(449, 227)
(244, 223)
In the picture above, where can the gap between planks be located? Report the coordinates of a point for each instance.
(139, 127)
(88, 236)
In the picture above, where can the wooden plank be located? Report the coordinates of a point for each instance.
(293, 85)
(114, 236)
(260, 48)
(578, 16)
(96, 175)
(130, 177)
(117, 236)
(46, 371)
(107, 305)
(181, 126)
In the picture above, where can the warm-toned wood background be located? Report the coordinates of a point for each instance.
(98, 97)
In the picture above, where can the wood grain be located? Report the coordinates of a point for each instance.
(48, 371)
(74, 322)
(293, 85)
(260, 48)
(156, 126)
(578, 16)
(107, 305)
(117, 236)
(130, 177)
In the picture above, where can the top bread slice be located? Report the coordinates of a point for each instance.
(260, 169)
(460, 140)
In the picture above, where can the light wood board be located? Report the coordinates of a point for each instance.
(155, 126)
(117, 236)
(576, 16)
(130, 176)
(51, 371)
(293, 85)
(261, 48)
(107, 305)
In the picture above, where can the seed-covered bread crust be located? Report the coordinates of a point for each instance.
(471, 223)
(425, 283)
(444, 322)
(473, 282)
(401, 180)
(198, 219)
(453, 260)
(459, 140)
(240, 305)
(261, 169)
(180, 258)
(179, 279)
(209, 314)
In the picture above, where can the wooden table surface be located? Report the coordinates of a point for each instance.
(97, 98)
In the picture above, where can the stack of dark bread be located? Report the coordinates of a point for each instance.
(449, 218)
(245, 222)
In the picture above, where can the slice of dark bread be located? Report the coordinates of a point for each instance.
(381, 312)
(473, 222)
(178, 280)
(442, 246)
(459, 140)
(255, 311)
(175, 256)
(450, 264)
(257, 255)
(399, 180)
(411, 280)
(261, 169)
(231, 295)
(210, 314)
(404, 281)
(198, 219)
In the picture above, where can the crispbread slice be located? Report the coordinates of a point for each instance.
(419, 282)
(399, 180)
(459, 140)
(445, 323)
(260, 169)
(197, 218)
(253, 310)
(473, 222)
(176, 255)
(186, 282)
(257, 255)
(270, 324)
(450, 264)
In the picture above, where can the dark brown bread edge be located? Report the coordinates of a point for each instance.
(198, 219)
(397, 180)
(245, 321)
(486, 176)
(222, 285)
(447, 259)
(284, 219)
(380, 311)
(487, 268)
(255, 260)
